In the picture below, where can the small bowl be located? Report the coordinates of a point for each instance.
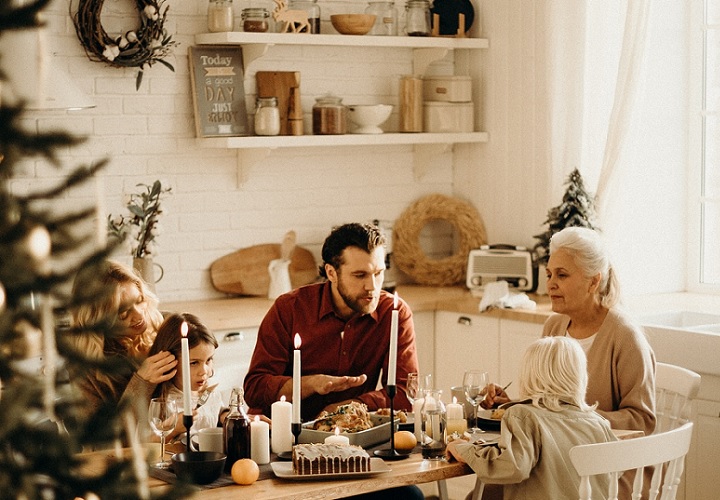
(199, 467)
(352, 24)
(369, 117)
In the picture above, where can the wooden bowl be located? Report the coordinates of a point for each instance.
(352, 24)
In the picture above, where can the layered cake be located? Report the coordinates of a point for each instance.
(311, 459)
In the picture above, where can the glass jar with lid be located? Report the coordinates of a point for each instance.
(417, 18)
(267, 116)
(255, 19)
(313, 11)
(329, 116)
(220, 16)
(386, 18)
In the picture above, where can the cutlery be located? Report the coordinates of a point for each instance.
(205, 396)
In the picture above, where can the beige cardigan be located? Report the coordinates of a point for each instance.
(621, 368)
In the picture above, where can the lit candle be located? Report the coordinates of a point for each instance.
(187, 396)
(392, 357)
(297, 375)
(260, 441)
(456, 426)
(280, 414)
(454, 410)
(337, 438)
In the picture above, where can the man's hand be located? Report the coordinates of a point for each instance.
(158, 368)
(325, 384)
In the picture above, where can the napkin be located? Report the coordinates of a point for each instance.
(497, 294)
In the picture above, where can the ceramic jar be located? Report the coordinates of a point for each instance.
(220, 16)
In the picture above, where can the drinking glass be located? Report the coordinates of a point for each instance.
(163, 416)
(475, 384)
(412, 387)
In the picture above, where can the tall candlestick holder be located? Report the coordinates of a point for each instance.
(391, 453)
(188, 422)
(296, 429)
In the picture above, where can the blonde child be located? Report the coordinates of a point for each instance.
(537, 433)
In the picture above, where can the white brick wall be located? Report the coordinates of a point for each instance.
(223, 200)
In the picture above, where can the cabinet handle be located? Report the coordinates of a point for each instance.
(464, 320)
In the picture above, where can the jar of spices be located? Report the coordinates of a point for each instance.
(385, 18)
(255, 19)
(313, 13)
(417, 18)
(329, 116)
(220, 16)
(267, 116)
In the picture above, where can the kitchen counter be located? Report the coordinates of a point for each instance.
(238, 312)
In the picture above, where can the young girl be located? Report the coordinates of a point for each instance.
(532, 456)
(202, 345)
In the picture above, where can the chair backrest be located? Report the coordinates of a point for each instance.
(665, 450)
(675, 389)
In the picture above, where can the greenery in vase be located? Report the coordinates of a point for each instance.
(142, 225)
(576, 210)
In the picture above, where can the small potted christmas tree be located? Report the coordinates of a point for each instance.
(576, 210)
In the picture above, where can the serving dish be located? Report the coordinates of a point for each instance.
(379, 433)
(284, 470)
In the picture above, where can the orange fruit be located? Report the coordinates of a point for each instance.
(405, 440)
(245, 471)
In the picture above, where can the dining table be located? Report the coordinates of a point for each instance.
(411, 470)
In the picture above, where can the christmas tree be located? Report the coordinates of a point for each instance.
(43, 425)
(576, 210)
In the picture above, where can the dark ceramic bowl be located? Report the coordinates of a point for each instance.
(199, 467)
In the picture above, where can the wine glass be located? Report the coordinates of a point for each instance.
(412, 387)
(475, 384)
(163, 416)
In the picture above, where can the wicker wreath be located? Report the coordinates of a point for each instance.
(410, 258)
(148, 44)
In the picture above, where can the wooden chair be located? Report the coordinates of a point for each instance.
(675, 389)
(665, 450)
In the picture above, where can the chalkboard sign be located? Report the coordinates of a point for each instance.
(216, 74)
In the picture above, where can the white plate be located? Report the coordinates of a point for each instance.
(284, 470)
(487, 423)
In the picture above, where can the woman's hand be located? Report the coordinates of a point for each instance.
(451, 451)
(495, 396)
(158, 368)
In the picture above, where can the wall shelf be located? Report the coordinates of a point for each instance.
(299, 141)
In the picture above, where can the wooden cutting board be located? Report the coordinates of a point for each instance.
(285, 85)
(245, 271)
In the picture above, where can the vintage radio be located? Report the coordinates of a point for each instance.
(502, 262)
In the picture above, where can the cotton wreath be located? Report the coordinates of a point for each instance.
(138, 48)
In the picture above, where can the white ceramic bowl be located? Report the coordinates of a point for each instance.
(369, 117)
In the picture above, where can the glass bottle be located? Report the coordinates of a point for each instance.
(220, 16)
(255, 19)
(385, 18)
(329, 116)
(267, 116)
(417, 18)
(433, 421)
(313, 13)
(236, 430)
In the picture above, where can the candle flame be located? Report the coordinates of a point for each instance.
(257, 418)
(282, 398)
(395, 301)
(297, 341)
(337, 431)
(454, 400)
(184, 329)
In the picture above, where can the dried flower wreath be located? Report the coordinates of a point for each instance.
(148, 44)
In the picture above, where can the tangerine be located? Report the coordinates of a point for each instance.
(245, 471)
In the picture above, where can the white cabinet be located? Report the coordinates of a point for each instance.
(463, 342)
(701, 464)
(422, 51)
(424, 323)
(515, 336)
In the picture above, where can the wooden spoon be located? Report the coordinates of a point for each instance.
(288, 245)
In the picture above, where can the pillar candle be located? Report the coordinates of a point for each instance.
(337, 438)
(297, 375)
(187, 395)
(260, 441)
(456, 426)
(281, 413)
(392, 356)
(454, 410)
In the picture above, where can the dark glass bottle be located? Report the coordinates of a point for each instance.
(236, 430)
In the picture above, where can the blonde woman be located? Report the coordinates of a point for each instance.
(532, 459)
(114, 296)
